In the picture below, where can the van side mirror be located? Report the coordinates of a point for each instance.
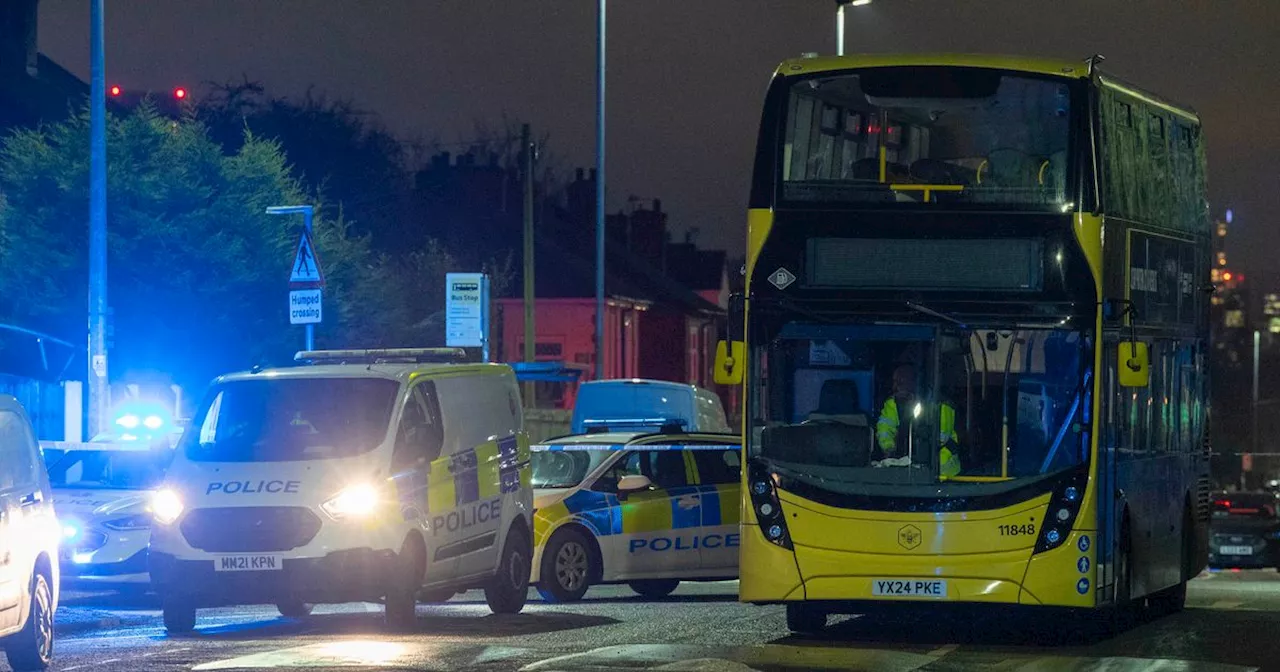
(632, 483)
(731, 362)
(1134, 364)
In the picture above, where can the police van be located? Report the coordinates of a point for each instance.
(366, 475)
(646, 509)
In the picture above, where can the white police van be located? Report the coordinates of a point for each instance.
(646, 509)
(367, 475)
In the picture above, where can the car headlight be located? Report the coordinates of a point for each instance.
(166, 506)
(129, 421)
(153, 422)
(130, 523)
(356, 501)
(71, 530)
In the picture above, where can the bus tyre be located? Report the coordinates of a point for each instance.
(294, 609)
(32, 647)
(566, 568)
(179, 616)
(400, 608)
(654, 589)
(508, 590)
(805, 619)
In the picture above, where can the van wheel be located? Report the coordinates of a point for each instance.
(400, 610)
(179, 616)
(294, 609)
(508, 590)
(805, 619)
(566, 567)
(32, 647)
(654, 588)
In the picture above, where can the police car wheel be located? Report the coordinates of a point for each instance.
(654, 588)
(566, 568)
(294, 609)
(805, 619)
(508, 590)
(179, 617)
(32, 647)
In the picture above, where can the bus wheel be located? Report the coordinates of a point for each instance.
(654, 588)
(1174, 599)
(805, 619)
(1124, 608)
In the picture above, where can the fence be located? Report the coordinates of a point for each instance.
(45, 401)
(544, 423)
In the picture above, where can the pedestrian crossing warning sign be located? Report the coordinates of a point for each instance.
(306, 267)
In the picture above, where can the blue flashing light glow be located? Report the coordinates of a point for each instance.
(82, 558)
(129, 421)
(1053, 536)
(1083, 544)
(70, 531)
(153, 422)
(1071, 493)
(1082, 586)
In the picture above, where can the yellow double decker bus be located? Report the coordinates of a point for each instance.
(973, 340)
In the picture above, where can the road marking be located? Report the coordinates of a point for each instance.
(1225, 604)
(943, 650)
(369, 653)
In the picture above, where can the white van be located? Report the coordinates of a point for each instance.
(29, 543)
(368, 475)
(639, 405)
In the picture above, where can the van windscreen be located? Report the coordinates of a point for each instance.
(291, 419)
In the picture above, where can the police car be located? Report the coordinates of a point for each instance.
(366, 475)
(646, 509)
(101, 492)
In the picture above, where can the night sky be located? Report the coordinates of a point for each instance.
(686, 77)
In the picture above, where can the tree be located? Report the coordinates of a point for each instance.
(344, 154)
(197, 270)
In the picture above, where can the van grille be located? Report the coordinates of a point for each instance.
(250, 529)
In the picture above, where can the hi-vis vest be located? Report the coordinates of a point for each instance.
(887, 435)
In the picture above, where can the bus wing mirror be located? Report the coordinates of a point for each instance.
(1134, 364)
(730, 362)
(737, 323)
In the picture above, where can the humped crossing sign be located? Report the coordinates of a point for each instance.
(305, 296)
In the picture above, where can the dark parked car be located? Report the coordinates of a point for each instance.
(1244, 531)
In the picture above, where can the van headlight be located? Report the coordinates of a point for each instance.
(166, 506)
(356, 501)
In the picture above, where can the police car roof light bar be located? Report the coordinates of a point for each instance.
(667, 425)
(382, 356)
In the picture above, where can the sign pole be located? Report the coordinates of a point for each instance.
(311, 328)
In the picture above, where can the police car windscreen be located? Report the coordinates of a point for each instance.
(278, 420)
(565, 468)
(106, 469)
(917, 263)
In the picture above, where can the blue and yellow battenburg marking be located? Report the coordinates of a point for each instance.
(654, 511)
(493, 468)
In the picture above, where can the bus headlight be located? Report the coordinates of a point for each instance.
(1064, 505)
(166, 506)
(356, 501)
(764, 499)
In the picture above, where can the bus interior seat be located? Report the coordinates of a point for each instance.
(838, 401)
(830, 444)
(936, 171)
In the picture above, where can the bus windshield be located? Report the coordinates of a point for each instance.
(916, 410)
(928, 134)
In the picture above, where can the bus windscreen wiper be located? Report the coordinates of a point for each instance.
(933, 313)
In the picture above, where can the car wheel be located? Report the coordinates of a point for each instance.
(654, 588)
(508, 590)
(400, 610)
(566, 567)
(32, 647)
(294, 609)
(805, 619)
(179, 616)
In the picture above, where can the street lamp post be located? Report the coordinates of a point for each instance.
(307, 212)
(840, 10)
(600, 71)
(98, 381)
